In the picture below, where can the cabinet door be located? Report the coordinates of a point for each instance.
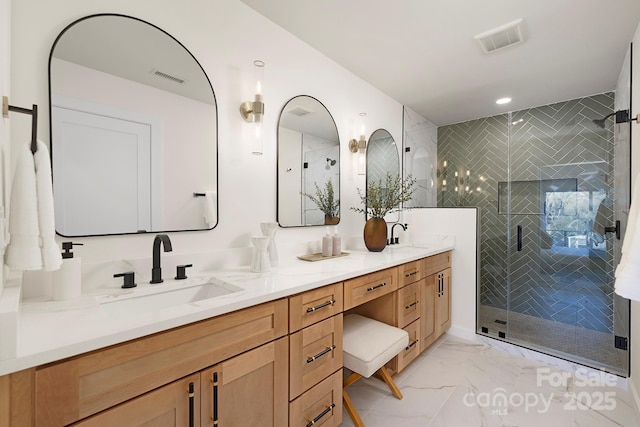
(429, 289)
(249, 389)
(444, 301)
(175, 404)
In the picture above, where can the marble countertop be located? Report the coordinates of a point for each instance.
(52, 330)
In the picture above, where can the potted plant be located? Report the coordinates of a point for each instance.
(326, 202)
(380, 199)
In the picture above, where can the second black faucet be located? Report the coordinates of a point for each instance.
(156, 271)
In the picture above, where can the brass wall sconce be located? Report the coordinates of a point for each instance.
(359, 146)
(253, 111)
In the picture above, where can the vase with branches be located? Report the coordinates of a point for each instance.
(381, 198)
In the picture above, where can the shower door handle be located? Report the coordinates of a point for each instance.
(614, 229)
(519, 241)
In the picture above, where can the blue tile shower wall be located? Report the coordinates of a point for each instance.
(558, 141)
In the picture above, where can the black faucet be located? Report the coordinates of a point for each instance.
(156, 271)
(393, 241)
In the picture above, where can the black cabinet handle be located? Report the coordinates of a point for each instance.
(411, 345)
(214, 380)
(413, 273)
(322, 414)
(411, 305)
(373, 288)
(191, 402)
(318, 307)
(322, 353)
(519, 243)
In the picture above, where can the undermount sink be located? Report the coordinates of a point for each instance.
(174, 293)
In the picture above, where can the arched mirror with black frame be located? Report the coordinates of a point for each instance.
(308, 164)
(133, 131)
(382, 159)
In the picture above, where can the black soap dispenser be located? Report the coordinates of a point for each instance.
(67, 282)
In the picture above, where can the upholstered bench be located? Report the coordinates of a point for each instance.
(367, 345)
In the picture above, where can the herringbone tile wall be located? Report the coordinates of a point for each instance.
(548, 279)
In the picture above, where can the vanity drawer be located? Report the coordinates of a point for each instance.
(321, 405)
(409, 307)
(411, 272)
(104, 378)
(370, 286)
(315, 352)
(315, 305)
(436, 263)
(412, 350)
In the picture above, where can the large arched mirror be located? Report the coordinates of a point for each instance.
(133, 131)
(382, 159)
(308, 164)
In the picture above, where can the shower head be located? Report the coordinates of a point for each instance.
(331, 162)
(600, 122)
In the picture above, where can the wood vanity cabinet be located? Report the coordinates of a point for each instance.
(436, 299)
(85, 385)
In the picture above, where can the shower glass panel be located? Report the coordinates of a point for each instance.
(547, 261)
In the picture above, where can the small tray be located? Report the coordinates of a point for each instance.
(320, 257)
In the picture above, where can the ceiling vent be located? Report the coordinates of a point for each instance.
(167, 76)
(299, 111)
(501, 37)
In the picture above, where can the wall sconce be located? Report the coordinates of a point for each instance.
(252, 111)
(359, 146)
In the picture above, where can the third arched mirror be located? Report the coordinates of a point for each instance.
(308, 164)
(382, 158)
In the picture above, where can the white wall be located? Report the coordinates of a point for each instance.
(462, 223)
(225, 36)
(635, 170)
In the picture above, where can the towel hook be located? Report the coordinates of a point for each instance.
(34, 119)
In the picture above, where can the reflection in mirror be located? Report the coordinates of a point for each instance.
(382, 159)
(308, 164)
(133, 131)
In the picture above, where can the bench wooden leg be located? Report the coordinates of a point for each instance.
(351, 410)
(392, 385)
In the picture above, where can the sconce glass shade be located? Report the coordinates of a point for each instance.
(359, 147)
(253, 111)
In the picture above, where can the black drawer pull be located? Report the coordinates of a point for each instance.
(411, 345)
(413, 273)
(412, 305)
(214, 381)
(373, 288)
(322, 353)
(191, 402)
(322, 414)
(318, 307)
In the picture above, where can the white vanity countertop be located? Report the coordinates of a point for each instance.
(54, 330)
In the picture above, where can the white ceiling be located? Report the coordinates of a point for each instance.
(422, 52)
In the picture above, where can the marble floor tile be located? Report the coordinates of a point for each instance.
(465, 383)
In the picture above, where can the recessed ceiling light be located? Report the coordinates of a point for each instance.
(503, 101)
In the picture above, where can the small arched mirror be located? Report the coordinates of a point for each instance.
(308, 164)
(382, 159)
(133, 131)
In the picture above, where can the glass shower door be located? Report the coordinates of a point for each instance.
(559, 204)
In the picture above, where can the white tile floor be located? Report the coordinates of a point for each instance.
(462, 383)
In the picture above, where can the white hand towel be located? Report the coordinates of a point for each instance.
(23, 251)
(627, 283)
(209, 208)
(51, 256)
